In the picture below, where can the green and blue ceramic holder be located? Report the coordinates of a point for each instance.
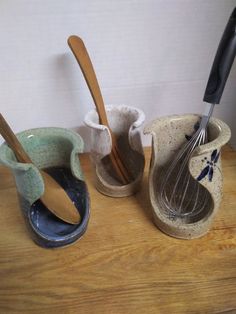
(57, 150)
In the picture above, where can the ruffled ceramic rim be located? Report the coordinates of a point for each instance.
(137, 123)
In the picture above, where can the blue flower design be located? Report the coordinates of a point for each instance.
(209, 169)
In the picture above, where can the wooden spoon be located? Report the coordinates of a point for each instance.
(80, 52)
(54, 196)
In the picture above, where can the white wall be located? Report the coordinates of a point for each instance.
(153, 54)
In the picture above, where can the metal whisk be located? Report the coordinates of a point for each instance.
(180, 195)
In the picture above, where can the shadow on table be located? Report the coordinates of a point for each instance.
(143, 199)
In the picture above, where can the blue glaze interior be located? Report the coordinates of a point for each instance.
(47, 223)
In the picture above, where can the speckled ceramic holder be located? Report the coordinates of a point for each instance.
(168, 136)
(125, 122)
(49, 147)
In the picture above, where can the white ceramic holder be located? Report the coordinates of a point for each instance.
(168, 136)
(125, 122)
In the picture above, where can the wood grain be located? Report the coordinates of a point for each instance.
(123, 264)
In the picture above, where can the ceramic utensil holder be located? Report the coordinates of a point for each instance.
(57, 148)
(168, 136)
(125, 123)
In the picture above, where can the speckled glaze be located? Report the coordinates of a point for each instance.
(168, 136)
(47, 147)
(125, 123)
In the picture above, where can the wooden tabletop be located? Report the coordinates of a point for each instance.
(123, 263)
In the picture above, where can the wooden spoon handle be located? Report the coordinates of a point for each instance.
(54, 197)
(13, 141)
(81, 54)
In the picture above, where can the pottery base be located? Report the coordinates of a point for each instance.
(46, 229)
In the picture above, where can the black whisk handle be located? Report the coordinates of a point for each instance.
(222, 63)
